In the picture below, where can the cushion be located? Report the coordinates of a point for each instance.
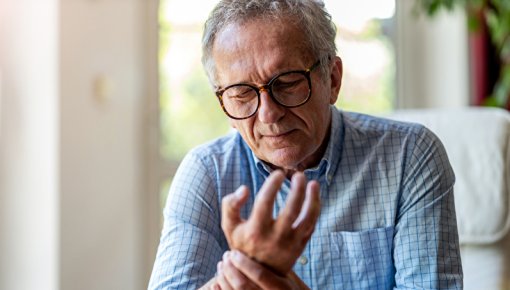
(486, 266)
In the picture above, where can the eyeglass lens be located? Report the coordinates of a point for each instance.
(289, 89)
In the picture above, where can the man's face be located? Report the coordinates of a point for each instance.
(288, 138)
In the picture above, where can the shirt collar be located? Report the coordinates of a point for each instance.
(329, 162)
(333, 152)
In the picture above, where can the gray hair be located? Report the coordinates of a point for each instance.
(309, 15)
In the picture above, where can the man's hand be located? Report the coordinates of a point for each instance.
(274, 243)
(237, 271)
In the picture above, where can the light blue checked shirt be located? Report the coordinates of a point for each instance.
(387, 217)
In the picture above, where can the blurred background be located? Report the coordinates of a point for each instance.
(101, 99)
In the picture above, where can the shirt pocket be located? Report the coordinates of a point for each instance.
(363, 259)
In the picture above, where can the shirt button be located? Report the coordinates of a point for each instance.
(303, 260)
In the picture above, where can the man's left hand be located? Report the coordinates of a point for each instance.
(274, 243)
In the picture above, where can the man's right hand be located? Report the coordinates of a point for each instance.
(238, 272)
(274, 243)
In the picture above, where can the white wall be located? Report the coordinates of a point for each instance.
(102, 222)
(74, 209)
(29, 145)
(432, 59)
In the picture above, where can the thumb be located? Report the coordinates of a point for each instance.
(231, 209)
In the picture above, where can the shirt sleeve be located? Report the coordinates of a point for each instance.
(191, 239)
(426, 247)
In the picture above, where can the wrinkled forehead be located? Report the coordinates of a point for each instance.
(261, 36)
(258, 50)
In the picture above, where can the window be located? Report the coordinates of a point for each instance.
(189, 111)
(367, 53)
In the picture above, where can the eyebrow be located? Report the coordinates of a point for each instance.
(243, 82)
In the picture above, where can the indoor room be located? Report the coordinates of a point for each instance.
(101, 100)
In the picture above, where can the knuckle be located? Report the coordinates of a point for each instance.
(282, 230)
(253, 237)
(240, 283)
(289, 216)
(258, 274)
(252, 240)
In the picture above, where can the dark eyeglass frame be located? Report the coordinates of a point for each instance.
(268, 87)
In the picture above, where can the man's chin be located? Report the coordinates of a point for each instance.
(287, 158)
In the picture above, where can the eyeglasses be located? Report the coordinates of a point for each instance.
(289, 89)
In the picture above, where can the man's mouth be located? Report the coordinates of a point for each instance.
(278, 135)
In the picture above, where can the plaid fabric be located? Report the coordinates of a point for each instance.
(387, 219)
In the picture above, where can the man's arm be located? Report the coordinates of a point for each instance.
(190, 243)
(426, 246)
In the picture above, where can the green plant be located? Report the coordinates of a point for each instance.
(495, 16)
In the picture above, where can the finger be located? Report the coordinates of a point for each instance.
(221, 279)
(234, 277)
(263, 208)
(256, 272)
(294, 202)
(231, 208)
(305, 223)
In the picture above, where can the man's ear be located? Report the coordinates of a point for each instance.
(336, 78)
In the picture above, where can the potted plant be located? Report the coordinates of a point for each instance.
(492, 16)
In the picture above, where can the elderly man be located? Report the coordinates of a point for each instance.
(303, 195)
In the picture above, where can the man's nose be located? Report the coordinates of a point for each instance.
(269, 110)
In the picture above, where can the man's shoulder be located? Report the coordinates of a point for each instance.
(379, 125)
(227, 145)
(381, 131)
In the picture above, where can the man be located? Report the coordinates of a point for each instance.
(377, 211)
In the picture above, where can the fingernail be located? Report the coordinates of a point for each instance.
(225, 255)
(235, 255)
